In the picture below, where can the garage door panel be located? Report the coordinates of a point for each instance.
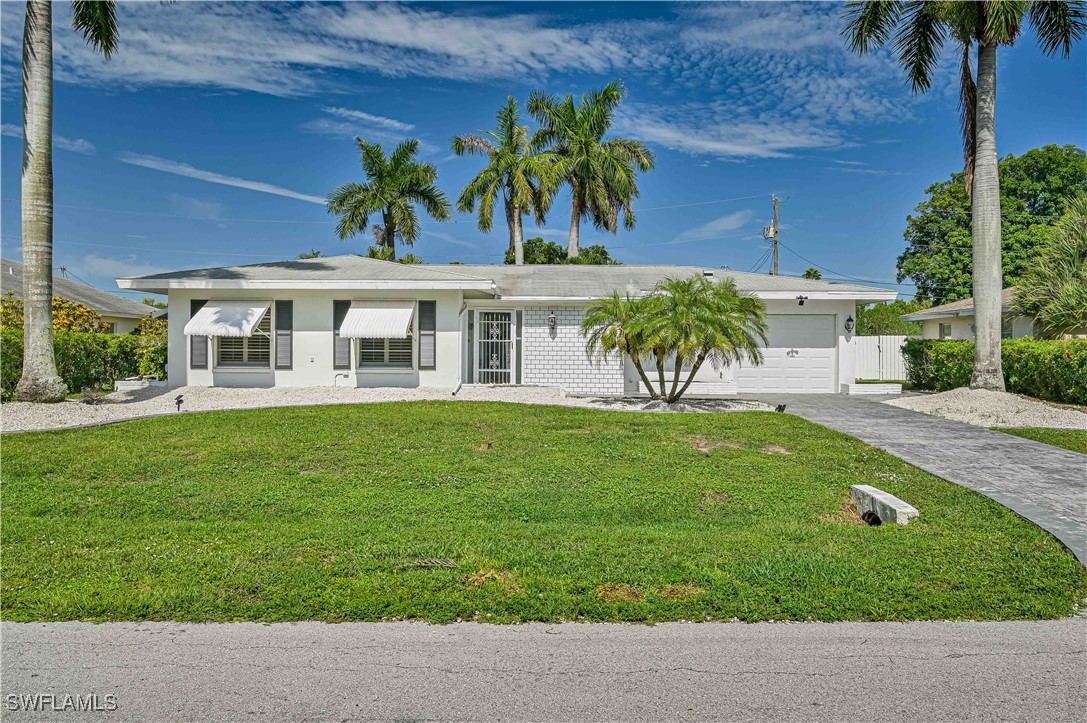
(800, 357)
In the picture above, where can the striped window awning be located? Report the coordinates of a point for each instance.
(378, 320)
(227, 318)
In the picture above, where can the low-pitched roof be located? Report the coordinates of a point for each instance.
(962, 307)
(505, 281)
(103, 302)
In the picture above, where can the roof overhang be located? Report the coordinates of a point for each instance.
(918, 316)
(163, 286)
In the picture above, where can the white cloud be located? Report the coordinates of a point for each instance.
(184, 169)
(716, 227)
(75, 145)
(370, 119)
(113, 268)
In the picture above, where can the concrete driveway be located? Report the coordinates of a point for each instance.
(1044, 484)
(686, 672)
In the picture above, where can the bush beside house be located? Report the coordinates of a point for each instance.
(1052, 370)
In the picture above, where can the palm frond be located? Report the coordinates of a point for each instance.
(1004, 20)
(472, 144)
(1058, 24)
(968, 93)
(869, 24)
(918, 42)
(97, 20)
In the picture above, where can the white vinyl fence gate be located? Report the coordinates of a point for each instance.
(880, 357)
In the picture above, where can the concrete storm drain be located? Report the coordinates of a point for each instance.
(877, 507)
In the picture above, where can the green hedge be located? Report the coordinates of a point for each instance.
(1051, 370)
(86, 361)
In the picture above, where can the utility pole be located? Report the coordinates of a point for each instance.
(777, 233)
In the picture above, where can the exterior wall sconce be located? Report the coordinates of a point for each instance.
(801, 299)
(849, 325)
(552, 322)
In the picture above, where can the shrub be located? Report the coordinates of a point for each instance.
(1052, 370)
(86, 360)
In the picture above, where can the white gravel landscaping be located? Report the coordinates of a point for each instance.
(22, 416)
(984, 408)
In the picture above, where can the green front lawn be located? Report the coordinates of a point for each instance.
(498, 512)
(1073, 439)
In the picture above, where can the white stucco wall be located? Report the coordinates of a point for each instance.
(961, 327)
(313, 343)
(122, 325)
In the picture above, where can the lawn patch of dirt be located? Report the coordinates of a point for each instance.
(775, 449)
(503, 579)
(847, 515)
(616, 592)
(712, 499)
(484, 447)
(682, 591)
(705, 444)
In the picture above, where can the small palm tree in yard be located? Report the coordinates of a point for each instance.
(602, 172)
(693, 320)
(1054, 290)
(396, 184)
(918, 31)
(40, 381)
(517, 170)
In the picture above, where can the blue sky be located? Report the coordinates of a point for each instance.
(214, 132)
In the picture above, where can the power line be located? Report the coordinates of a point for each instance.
(704, 203)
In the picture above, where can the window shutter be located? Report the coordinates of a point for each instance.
(341, 348)
(198, 345)
(428, 326)
(284, 334)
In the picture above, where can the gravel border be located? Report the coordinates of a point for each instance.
(159, 401)
(984, 408)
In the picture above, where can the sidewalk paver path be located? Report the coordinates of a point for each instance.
(1045, 484)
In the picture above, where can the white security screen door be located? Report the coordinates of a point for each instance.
(494, 347)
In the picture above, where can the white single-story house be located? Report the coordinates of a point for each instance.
(120, 314)
(352, 320)
(956, 320)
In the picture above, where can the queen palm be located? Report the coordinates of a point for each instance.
(602, 173)
(395, 185)
(40, 381)
(611, 328)
(919, 30)
(524, 176)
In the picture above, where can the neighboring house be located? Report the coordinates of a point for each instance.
(357, 321)
(956, 320)
(122, 315)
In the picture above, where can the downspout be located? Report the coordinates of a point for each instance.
(460, 348)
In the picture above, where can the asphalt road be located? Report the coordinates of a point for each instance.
(394, 671)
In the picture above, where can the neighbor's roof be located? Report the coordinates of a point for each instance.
(508, 282)
(105, 303)
(962, 307)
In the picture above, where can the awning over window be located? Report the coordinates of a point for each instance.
(227, 318)
(378, 320)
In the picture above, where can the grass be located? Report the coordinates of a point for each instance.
(1073, 439)
(498, 512)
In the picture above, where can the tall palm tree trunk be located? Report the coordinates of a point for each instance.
(517, 232)
(390, 234)
(988, 373)
(40, 381)
(575, 225)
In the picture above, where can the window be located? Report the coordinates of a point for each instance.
(945, 331)
(284, 334)
(247, 351)
(428, 325)
(1006, 328)
(392, 353)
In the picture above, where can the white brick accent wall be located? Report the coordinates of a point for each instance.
(559, 359)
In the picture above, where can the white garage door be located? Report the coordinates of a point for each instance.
(799, 357)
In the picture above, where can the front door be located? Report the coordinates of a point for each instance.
(494, 347)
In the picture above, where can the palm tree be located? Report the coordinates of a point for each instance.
(525, 176)
(602, 174)
(611, 327)
(40, 381)
(1054, 290)
(919, 30)
(396, 184)
(812, 273)
(697, 320)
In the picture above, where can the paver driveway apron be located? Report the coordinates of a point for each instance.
(1044, 484)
